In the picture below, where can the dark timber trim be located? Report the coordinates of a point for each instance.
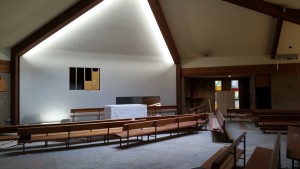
(164, 28)
(178, 84)
(276, 38)
(238, 70)
(34, 39)
(291, 15)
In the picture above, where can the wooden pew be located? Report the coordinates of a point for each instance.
(153, 127)
(217, 125)
(203, 118)
(10, 132)
(47, 133)
(160, 117)
(87, 130)
(265, 157)
(227, 156)
(137, 129)
(292, 145)
(87, 112)
(198, 109)
(69, 131)
(258, 112)
(90, 130)
(241, 114)
(274, 123)
(164, 109)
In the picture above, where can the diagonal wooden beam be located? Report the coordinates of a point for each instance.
(291, 15)
(276, 38)
(53, 26)
(35, 38)
(164, 28)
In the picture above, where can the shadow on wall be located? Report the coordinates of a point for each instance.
(31, 119)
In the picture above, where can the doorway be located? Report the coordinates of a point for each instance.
(263, 97)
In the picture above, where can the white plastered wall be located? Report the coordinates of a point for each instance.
(129, 65)
(4, 54)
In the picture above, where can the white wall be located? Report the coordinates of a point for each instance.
(45, 94)
(131, 62)
(4, 54)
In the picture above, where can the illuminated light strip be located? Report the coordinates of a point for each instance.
(51, 39)
(77, 22)
(156, 31)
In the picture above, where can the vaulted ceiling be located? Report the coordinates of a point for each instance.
(202, 30)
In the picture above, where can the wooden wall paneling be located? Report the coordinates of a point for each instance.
(5, 66)
(238, 70)
(263, 80)
(2, 85)
(226, 85)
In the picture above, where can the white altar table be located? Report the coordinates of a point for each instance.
(125, 111)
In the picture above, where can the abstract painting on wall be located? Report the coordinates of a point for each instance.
(84, 78)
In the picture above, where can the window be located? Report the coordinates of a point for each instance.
(235, 88)
(218, 87)
(84, 78)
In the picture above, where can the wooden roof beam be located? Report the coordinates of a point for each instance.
(288, 14)
(53, 26)
(164, 28)
(276, 38)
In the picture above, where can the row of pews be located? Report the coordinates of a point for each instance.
(121, 128)
(98, 113)
(228, 156)
(268, 120)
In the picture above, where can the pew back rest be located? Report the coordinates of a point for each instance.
(163, 109)
(163, 122)
(87, 110)
(168, 107)
(220, 119)
(276, 153)
(116, 124)
(279, 117)
(258, 112)
(43, 130)
(198, 109)
(229, 151)
(139, 125)
(9, 129)
(157, 117)
(187, 118)
(87, 126)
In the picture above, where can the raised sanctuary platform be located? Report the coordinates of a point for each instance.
(125, 111)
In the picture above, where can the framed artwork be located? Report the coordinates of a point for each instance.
(84, 78)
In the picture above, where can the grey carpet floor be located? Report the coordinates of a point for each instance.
(181, 152)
